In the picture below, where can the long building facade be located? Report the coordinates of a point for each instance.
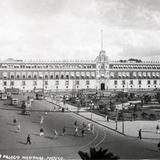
(100, 74)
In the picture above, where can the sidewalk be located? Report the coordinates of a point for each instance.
(130, 127)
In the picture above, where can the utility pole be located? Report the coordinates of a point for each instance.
(122, 118)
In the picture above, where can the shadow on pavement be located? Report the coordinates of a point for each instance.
(48, 137)
(10, 124)
(14, 131)
(151, 150)
(21, 142)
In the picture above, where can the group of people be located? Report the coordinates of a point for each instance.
(89, 127)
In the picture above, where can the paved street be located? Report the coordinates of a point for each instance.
(13, 143)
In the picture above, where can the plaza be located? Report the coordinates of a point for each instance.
(67, 147)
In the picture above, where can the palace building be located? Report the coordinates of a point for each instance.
(100, 73)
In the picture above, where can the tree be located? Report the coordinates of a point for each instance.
(99, 154)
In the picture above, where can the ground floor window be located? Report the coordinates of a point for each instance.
(23, 83)
(12, 83)
(4, 83)
(87, 82)
(57, 82)
(46, 82)
(67, 83)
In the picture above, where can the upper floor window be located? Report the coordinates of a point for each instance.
(12, 76)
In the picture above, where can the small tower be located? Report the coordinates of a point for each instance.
(102, 68)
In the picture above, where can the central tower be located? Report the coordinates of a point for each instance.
(102, 68)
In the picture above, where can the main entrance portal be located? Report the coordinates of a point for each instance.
(102, 86)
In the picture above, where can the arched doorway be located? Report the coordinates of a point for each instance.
(102, 86)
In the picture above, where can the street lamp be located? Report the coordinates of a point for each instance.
(91, 107)
(122, 118)
(116, 118)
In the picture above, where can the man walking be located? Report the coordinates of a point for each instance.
(64, 131)
(76, 131)
(157, 128)
(139, 134)
(28, 139)
(158, 145)
(18, 127)
(55, 134)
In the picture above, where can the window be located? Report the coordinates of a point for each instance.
(62, 76)
(29, 77)
(148, 82)
(46, 77)
(155, 82)
(35, 77)
(123, 82)
(66, 86)
(87, 82)
(67, 82)
(51, 76)
(23, 83)
(17, 76)
(131, 82)
(67, 76)
(139, 82)
(57, 77)
(34, 83)
(4, 83)
(77, 82)
(57, 82)
(12, 76)
(24, 76)
(12, 83)
(46, 82)
(115, 82)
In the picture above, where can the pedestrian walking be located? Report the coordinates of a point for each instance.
(28, 139)
(14, 121)
(92, 128)
(158, 145)
(83, 125)
(75, 123)
(64, 131)
(55, 134)
(42, 119)
(139, 134)
(41, 132)
(89, 127)
(157, 128)
(76, 131)
(83, 134)
(18, 127)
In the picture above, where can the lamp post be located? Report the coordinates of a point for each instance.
(91, 107)
(116, 118)
(122, 118)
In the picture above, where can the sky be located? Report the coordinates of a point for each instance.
(71, 29)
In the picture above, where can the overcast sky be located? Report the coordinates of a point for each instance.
(70, 29)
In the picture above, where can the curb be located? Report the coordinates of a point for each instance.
(91, 120)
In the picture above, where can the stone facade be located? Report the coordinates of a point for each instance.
(100, 73)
